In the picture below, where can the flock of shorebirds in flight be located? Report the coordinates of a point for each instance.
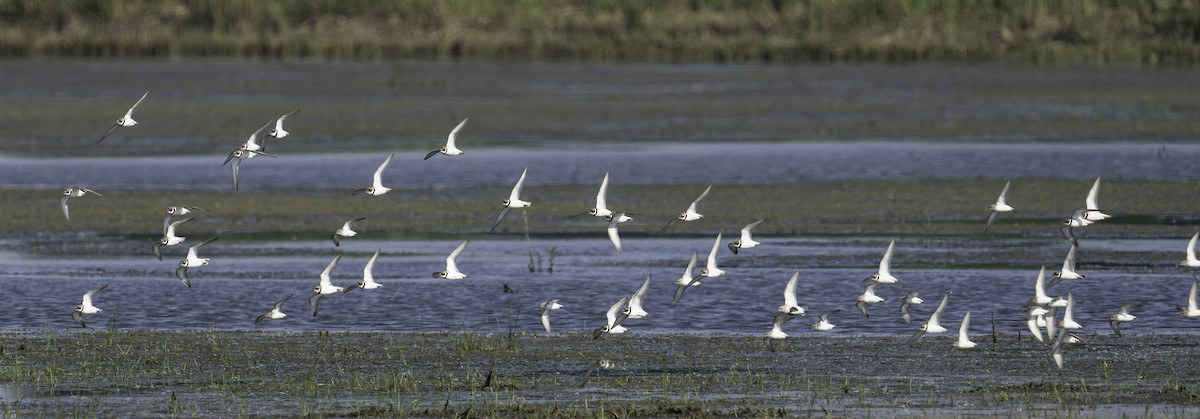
(1042, 310)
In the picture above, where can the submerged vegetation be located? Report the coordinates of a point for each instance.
(1024, 31)
(209, 373)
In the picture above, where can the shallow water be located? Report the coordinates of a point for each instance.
(647, 125)
(588, 277)
(630, 164)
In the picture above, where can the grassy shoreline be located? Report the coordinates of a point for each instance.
(250, 373)
(1034, 32)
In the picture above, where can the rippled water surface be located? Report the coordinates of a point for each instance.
(588, 277)
(634, 164)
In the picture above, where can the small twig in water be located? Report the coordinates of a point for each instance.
(528, 243)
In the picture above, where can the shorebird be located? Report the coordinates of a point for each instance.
(776, 332)
(613, 235)
(368, 281)
(125, 121)
(690, 214)
(686, 280)
(601, 208)
(790, 306)
(823, 323)
(746, 241)
(1192, 309)
(239, 155)
(452, 271)
(1068, 233)
(884, 276)
(1068, 268)
(377, 187)
(275, 313)
(169, 238)
(73, 193)
(635, 302)
(1191, 260)
(1093, 212)
(602, 364)
(1122, 315)
(325, 287)
(347, 230)
(514, 201)
(1000, 206)
(906, 302)
(964, 342)
(614, 316)
(449, 149)
(934, 324)
(251, 147)
(868, 296)
(546, 307)
(176, 211)
(278, 131)
(1056, 345)
(1051, 323)
(710, 265)
(86, 306)
(1039, 292)
(1077, 219)
(1068, 320)
(191, 261)
(1069, 225)
(1035, 314)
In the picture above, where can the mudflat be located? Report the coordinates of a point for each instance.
(257, 373)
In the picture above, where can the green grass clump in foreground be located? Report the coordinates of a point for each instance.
(228, 373)
(1025, 31)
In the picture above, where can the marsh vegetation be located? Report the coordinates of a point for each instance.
(115, 372)
(1041, 32)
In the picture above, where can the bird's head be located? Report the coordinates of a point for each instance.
(599, 332)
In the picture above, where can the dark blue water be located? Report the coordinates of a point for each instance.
(588, 277)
